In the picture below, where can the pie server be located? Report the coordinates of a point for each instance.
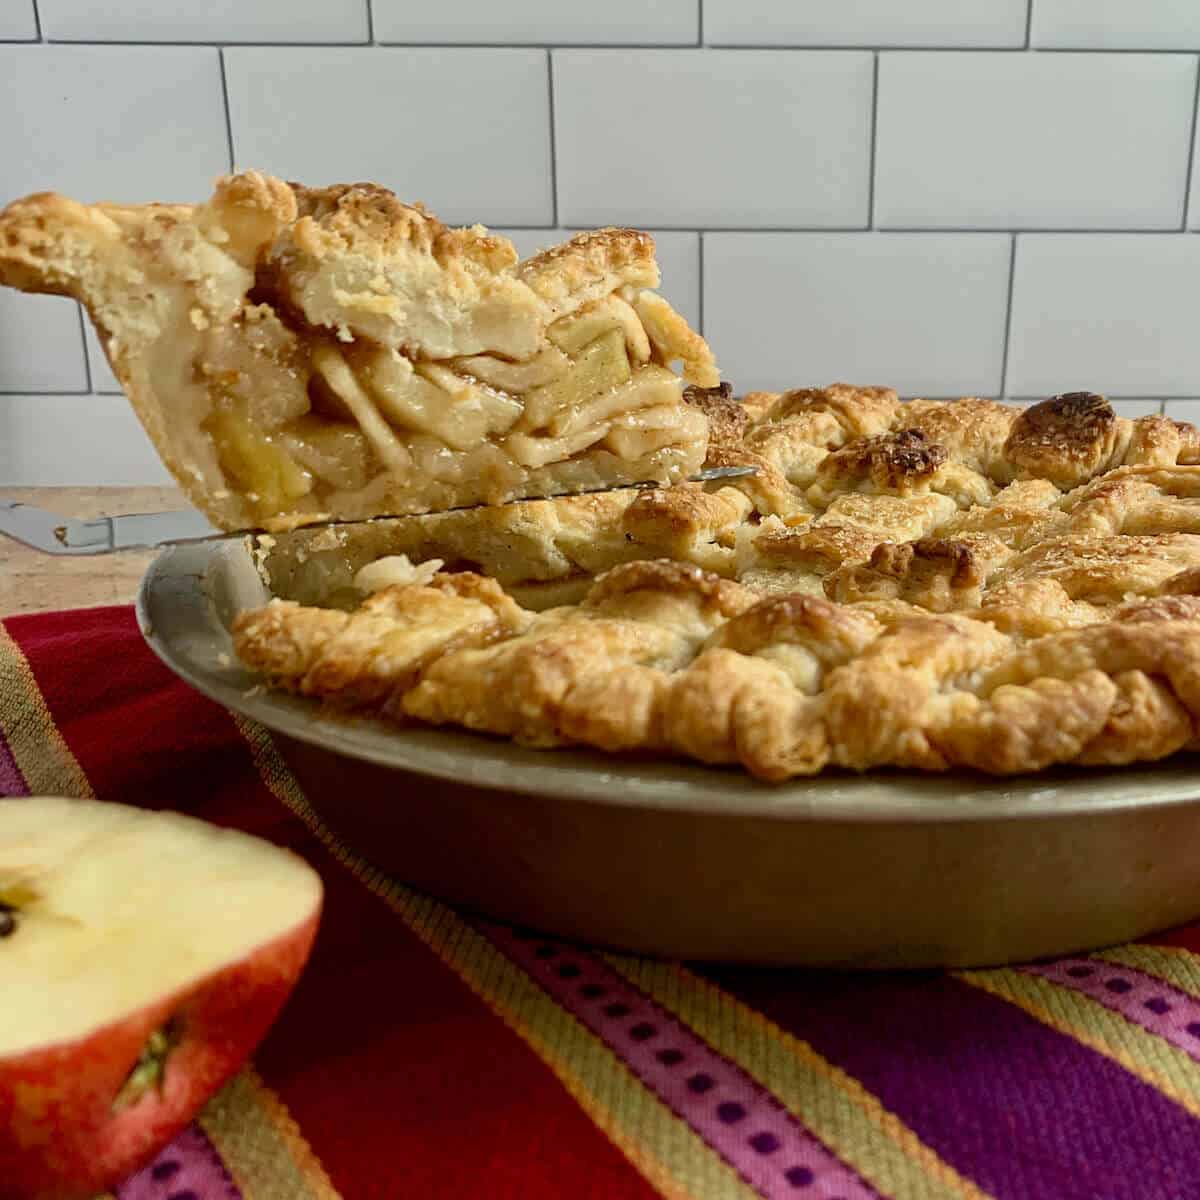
(54, 534)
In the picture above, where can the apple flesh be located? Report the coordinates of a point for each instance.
(143, 956)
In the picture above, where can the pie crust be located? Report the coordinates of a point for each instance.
(298, 354)
(920, 585)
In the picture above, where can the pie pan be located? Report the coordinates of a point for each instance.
(879, 870)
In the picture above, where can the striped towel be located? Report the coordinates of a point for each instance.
(432, 1055)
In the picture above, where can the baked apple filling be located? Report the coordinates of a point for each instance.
(299, 354)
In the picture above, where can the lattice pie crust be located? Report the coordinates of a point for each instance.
(920, 584)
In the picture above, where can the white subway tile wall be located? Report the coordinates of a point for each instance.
(1113, 313)
(922, 313)
(40, 349)
(85, 441)
(985, 197)
(1033, 141)
(212, 21)
(1193, 207)
(712, 138)
(538, 22)
(865, 23)
(123, 123)
(1116, 24)
(467, 131)
(18, 21)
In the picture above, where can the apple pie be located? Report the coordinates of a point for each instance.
(923, 585)
(298, 354)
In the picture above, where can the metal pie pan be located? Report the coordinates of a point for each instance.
(879, 870)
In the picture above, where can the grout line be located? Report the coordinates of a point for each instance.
(699, 22)
(1028, 23)
(553, 141)
(1187, 183)
(370, 21)
(362, 45)
(797, 49)
(907, 230)
(37, 21)
(700, 301)
(1162, 231)
(867, 47)
(27, 392)
(214, 44)
(655, 224)
(228, 117)
(87, 365)
(1012, 276)
(873, 151)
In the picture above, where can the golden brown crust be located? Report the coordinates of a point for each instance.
(589, 265)
(670, 659)
(936, 574)
(973, 431)
(860, 411)
(303, 353)
(663, 577)
(909, 595)
(1063, 439)
(888, 462)
(727, 418)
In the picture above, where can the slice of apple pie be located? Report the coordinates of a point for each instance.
(298, 354)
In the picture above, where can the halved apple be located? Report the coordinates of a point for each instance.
(143, 956)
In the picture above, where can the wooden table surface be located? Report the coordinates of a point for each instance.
(33, 582)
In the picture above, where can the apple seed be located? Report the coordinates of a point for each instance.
(8, 919)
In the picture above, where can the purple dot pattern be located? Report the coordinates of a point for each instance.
(188, 1169)
(745, 1124)
(1150, 1003)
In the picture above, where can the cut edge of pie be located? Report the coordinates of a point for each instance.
(299, 354)
(921, 585)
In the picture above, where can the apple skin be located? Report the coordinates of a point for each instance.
(60, 1138)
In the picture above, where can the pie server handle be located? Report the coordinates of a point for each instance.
(53, 534)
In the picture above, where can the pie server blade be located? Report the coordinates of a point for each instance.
(54, 534)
